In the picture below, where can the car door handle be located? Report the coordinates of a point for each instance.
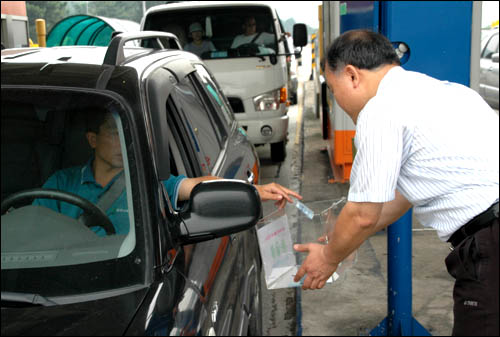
(250, 176)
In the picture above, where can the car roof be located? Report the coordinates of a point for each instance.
(117, 53)
(84, 66)
(73, 60)
(67, 54)
(72, 54)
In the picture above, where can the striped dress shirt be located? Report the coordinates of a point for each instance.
(434, 141)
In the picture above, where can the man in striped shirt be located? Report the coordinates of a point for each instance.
(421, 143)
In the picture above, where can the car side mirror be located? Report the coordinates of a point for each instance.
(494, 57)
(299, 35)
(218, 208)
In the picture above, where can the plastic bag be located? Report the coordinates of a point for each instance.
(328, 220)
(276, 250)
(275, 241)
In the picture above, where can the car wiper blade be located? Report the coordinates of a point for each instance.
(34, 299)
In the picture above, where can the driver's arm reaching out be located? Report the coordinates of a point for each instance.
(267, 192)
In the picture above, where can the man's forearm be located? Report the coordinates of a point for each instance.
(356, 222)
(392, 211)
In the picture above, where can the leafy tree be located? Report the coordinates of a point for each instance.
(288, 25)
(55, 11)
(76, 8)
(128, 10)
(51, 11)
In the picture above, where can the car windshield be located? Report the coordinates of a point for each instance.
(491, 46)
(56, 145)
(219, 33)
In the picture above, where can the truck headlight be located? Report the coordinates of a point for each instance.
(268, 101)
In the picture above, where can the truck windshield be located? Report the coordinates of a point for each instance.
(221, 32)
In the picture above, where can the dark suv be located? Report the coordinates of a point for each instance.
(189, 268)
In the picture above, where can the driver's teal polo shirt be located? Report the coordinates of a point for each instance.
(80, 180)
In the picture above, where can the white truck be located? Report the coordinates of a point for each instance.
(243, 45)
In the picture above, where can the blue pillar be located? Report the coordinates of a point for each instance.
(399, 320)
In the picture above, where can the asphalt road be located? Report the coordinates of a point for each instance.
(279, 306)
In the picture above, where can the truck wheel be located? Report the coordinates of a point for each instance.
(278, 151)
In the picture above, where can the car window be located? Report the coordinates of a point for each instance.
(51, 246)
(491, 48)
(183, 151)
(220, 127)
(199, 125)
(214, 92)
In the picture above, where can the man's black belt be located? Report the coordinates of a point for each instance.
(478, 222)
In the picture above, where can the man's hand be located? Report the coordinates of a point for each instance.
(316, 266)
(276, 192)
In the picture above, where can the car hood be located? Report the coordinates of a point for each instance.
(110, 316)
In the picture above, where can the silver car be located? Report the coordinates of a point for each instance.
(488, 78)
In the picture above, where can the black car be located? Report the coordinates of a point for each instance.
(189, 268)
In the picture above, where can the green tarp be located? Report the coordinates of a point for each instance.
(87, 30)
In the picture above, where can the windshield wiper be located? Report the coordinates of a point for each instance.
(34, 299)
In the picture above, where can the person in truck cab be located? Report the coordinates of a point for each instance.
(198, 46)
(251, 36)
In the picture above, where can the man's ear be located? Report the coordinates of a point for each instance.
(353, 75)
(92, 139)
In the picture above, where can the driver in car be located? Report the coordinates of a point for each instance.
(103, 174)
(250, 35)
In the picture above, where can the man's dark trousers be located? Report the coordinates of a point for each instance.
(474, 265)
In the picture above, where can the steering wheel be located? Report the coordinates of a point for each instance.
(92, 215)
(251, 49)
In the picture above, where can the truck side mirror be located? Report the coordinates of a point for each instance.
(494, 57)
(299, 35)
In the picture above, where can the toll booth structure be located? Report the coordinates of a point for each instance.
(15, 32)
(438, 38)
